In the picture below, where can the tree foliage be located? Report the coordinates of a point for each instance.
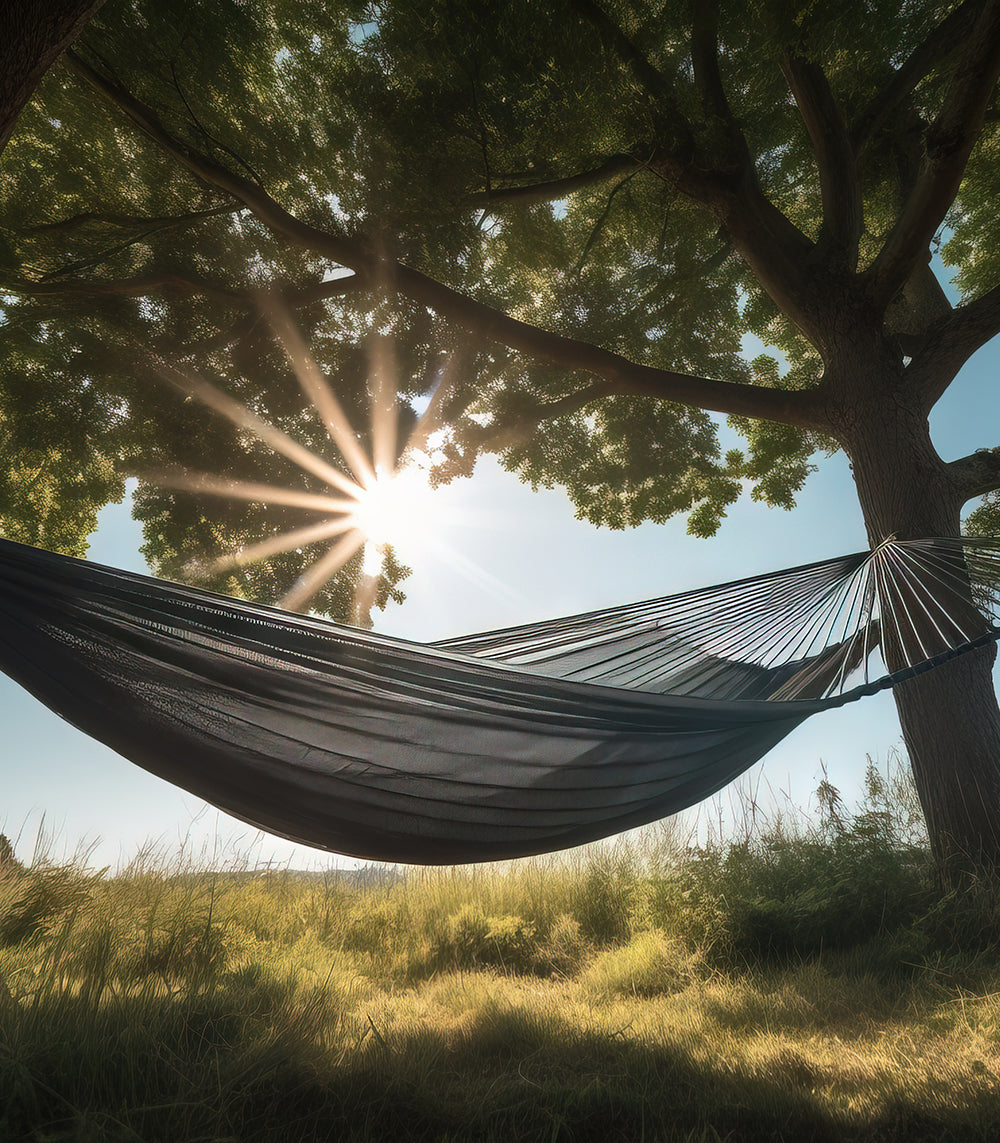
(567, 166)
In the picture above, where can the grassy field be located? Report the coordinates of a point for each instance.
(803, 983)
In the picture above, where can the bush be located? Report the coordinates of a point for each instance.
(838, 883)
(470, 939)
(9, 865)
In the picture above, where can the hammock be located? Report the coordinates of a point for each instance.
(497, 745)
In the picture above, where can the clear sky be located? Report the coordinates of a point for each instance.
(517, 556)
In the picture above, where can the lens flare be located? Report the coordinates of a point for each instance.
(380, 501)
(394, 508)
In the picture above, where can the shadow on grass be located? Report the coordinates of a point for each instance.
(245, 1065)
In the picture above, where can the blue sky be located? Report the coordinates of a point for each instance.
(521, 557)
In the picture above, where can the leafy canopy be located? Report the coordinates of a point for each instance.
(411, 130)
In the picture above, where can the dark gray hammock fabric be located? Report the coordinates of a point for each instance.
(498, 745)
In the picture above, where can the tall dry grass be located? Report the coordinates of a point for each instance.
(803, 980)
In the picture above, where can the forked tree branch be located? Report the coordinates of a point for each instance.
(951, 341)
(802, 408)
(774, 248)
(132, 222)
(708, 79)
(948, 142)
(953, 31)
(518, 431)
(840, 190)
(976, 474)
(554, 189)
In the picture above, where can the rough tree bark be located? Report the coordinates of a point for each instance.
(950, 717)
(32, 34)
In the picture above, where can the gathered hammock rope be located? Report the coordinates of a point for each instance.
(490, 746)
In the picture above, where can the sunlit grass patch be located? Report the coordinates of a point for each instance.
(650, 964)
(627, 992)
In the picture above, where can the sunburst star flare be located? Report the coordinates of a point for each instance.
(383, 500)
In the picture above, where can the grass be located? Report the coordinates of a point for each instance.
(803, 982)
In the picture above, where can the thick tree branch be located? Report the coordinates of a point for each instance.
(774, 248)
(138, 287)
(951, 341)
(132, 222)
(976, 474)
(953, 31)
(555, 189)
(708, 79)
(802, 408)
(32, 34)
(843, 219)
(653, 82)
(948, 143)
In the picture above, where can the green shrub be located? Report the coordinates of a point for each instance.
(371, 925)
(471, 939)
(793, 890)
(960, 929)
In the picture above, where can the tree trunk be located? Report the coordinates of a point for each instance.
(32, 34)
(949, 716)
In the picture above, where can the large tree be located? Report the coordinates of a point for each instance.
(572, 212)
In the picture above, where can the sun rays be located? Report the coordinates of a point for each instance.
(383, 499)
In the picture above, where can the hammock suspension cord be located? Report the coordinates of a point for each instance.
(495, 745)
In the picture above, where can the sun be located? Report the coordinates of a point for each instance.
(382, 500)
(396, 509)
